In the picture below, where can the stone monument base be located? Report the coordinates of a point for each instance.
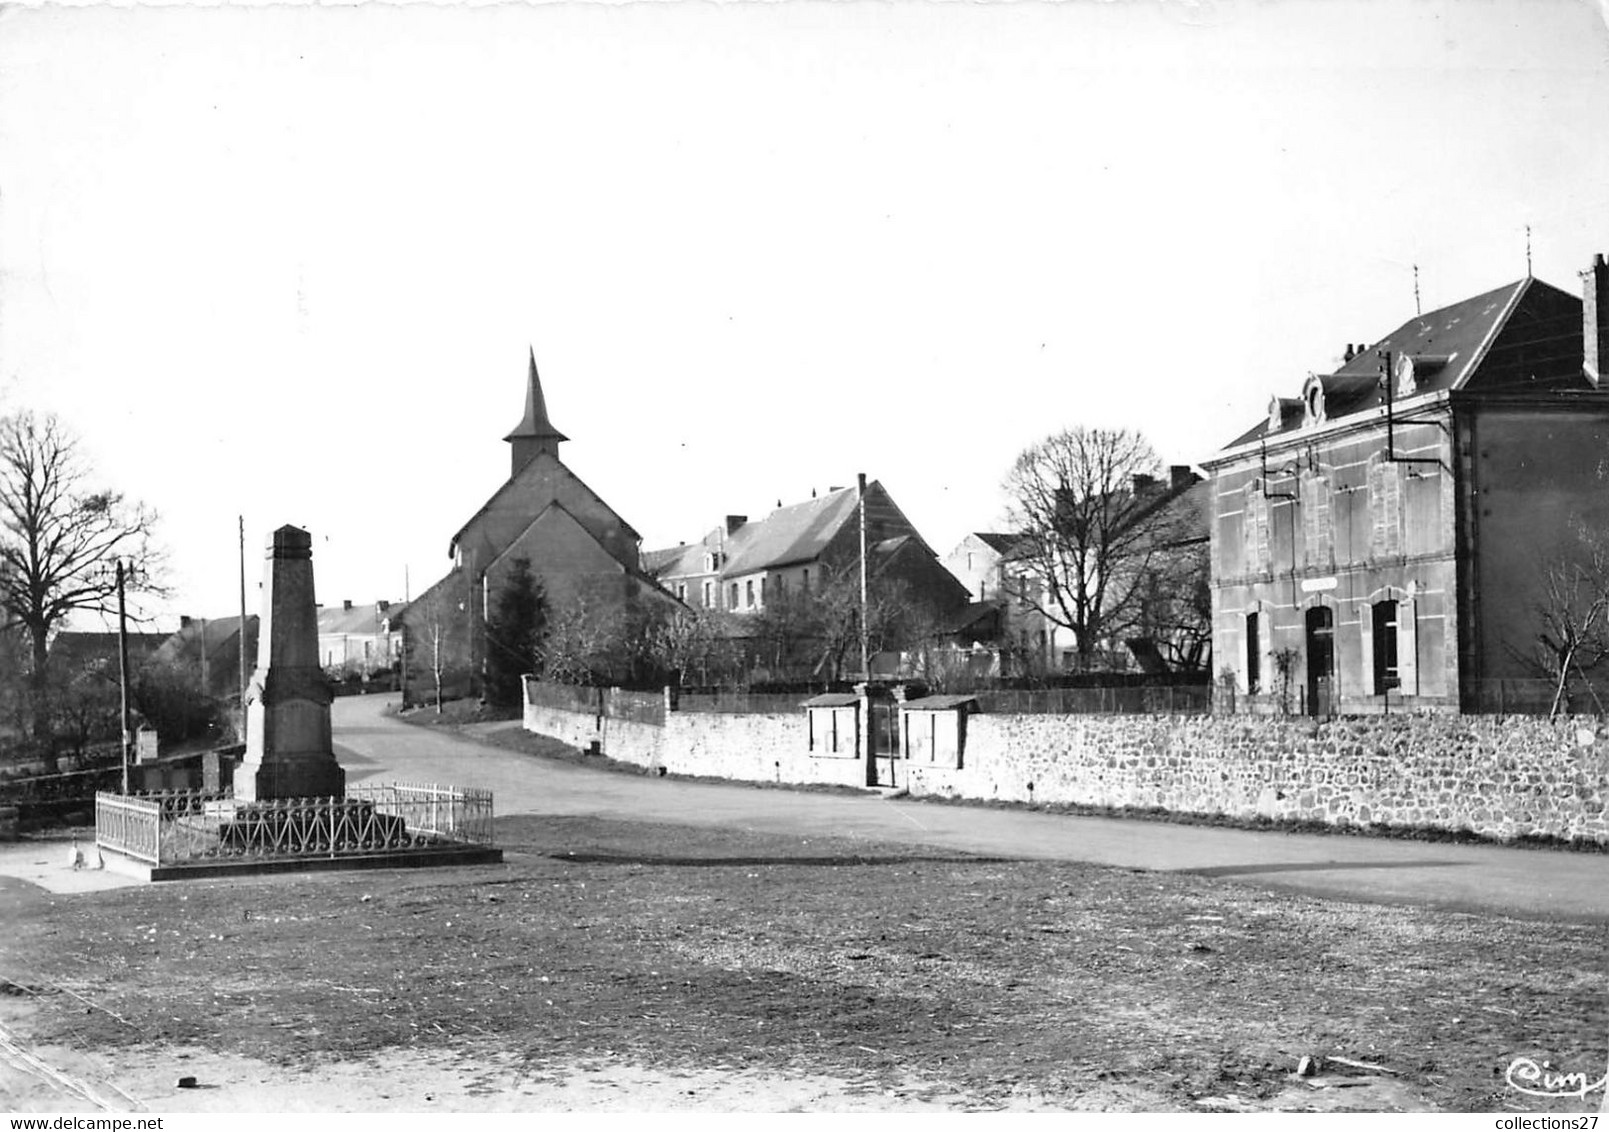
(287, 776)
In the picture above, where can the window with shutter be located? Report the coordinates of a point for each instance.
(1385, 501)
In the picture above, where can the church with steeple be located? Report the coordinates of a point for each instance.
(586, 556)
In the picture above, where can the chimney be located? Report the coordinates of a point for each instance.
(346, 606)
(184, 622)
(733, 522)
(1180, 475)
(1595, 321)
(382, 606)
(1143, 483)
(1349, 355)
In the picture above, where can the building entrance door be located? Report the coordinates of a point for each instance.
(1320, 660)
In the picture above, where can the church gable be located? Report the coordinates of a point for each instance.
(542, 483)
(557, 544)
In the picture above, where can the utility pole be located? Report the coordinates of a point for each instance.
(865, 632)
(242, 628)
(122, 673)
(402, 678)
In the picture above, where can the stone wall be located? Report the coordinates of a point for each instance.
(747, 748)
(1500, 777)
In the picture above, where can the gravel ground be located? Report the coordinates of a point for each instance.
(611, 960)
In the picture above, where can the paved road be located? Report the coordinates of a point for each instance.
(1523, 882)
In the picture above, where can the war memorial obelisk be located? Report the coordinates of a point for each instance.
(288, 751)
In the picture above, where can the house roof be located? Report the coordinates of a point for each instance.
(881, 554)
(974, 612)
(71, 649)
(797, 533)
(1191, 508)
(213, 633)
(661, 563)
(998, 541)
(1444, 349)
(362, 618)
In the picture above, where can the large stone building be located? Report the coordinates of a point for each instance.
(1382, 540)
(742, 565)
(585, 555)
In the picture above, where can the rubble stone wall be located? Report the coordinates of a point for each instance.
(1499, 777)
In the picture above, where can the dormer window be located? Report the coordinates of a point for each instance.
(1405, 376)
(1411, 367)
(1313, 401)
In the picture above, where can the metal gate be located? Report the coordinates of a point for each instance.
(886, 759)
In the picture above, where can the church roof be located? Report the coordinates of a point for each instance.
(535, 423)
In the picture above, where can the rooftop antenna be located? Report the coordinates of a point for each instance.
(1527, 251)
(1416, 308)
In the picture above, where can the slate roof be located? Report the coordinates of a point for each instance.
(997, 541)
(359, 620)
(974, 612)
(1192, 509)
(73, 650)
(797, 533)
(1522, 330)
(660, 563)
(215, 632)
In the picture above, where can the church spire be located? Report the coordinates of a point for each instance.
(535, 433)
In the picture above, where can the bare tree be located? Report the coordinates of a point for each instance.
(692, 642)
(1093, 527)
(582, 643)
(1175, 608)
(1572, 614)
(58, 540)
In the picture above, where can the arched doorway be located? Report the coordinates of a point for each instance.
(1320, 659)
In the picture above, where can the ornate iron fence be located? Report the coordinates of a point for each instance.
(128, 825)
(457, 813)
(180, 827)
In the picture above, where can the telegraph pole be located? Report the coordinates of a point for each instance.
(242, 628)
(122, 673)
(403, 675)
(865, 632)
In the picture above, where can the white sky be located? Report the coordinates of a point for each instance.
(287, 262)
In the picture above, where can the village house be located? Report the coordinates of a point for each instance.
(210, 648)
(585, 555)
(1001, 615)
(1381, 541)
(1009, 609)
(360, 639)
(800, 548)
